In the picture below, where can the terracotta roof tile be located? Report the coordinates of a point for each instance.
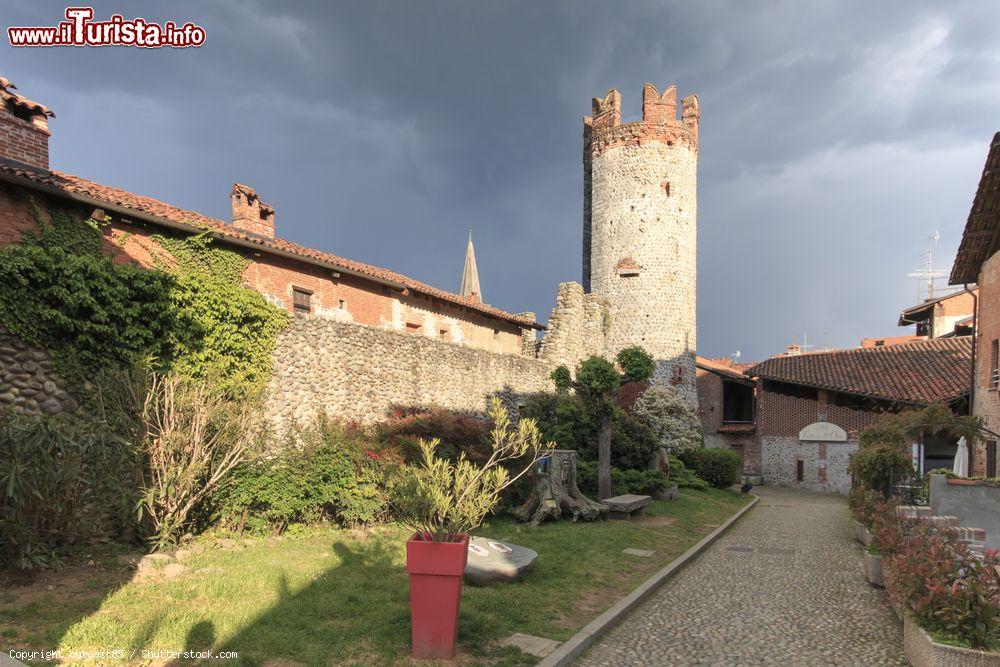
(922, 372)
(723, 367)
(146, 205)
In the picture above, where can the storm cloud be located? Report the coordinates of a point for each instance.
(836, 137)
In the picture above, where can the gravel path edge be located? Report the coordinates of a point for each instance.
(573, 647)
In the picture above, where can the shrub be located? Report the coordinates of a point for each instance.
(192, 437)
(324, 472)
(441, 500)
(457, 433)
(950, 591)
(673, 422)
(876, 466)
(641, 482)
(62, 482)
(719, 467)
(636, 364)
(863, 502)
(683, 476)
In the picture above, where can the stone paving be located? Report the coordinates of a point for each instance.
(785, 586)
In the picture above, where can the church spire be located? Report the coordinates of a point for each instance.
(470, 275)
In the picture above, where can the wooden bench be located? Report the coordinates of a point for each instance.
(627, 506)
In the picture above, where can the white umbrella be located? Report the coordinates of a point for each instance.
(961, 467)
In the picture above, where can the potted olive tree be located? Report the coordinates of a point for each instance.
(442, 501)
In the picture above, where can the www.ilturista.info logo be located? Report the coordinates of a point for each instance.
(79, 30)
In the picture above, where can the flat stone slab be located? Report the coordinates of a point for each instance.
(492, 561)
(626, 506)
(641, 553)
(536, 646)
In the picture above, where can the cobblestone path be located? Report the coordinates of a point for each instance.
(785, 586)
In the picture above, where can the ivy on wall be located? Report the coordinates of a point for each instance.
(228, 330)
(62, 292)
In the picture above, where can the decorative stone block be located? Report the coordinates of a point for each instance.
(491, 561)
(626, 506)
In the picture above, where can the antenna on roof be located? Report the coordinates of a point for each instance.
(928, 273)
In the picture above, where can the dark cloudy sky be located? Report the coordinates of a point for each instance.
(836, 137)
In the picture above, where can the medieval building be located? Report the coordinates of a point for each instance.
(640, 228)
(363, 338)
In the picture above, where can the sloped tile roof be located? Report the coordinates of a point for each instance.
(74, 185)
(723, 367)
(922, 372)
(981, 237)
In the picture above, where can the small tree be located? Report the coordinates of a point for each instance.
(597, 381)
(441, 500)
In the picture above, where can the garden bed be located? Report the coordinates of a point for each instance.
(923, 651)
(331, 595)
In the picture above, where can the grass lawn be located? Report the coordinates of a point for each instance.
(330, 596)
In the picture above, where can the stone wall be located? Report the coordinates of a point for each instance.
(824, 464)
(577, 327)
(356, 372)
(640, 230)
(27, 380)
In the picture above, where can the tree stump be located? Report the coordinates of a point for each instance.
(555, 492)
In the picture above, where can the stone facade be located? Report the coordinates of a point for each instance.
(640, 229)
(27, 380)
(824, 464)
(577, 327)
(986, 398)
(355, 372)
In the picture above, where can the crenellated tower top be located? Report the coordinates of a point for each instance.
(604, 129)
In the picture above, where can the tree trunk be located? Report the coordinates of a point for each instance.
(604, 458)
(555, 492)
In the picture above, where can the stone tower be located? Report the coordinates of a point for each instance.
(639, 228)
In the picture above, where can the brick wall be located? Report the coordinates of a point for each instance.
(986, 403)
(710, 412)
(344, 298)
(22, 141)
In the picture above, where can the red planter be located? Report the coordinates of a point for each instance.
(436, 570)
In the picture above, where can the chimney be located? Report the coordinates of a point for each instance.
(24, 128)
(251, 215)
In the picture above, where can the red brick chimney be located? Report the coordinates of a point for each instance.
(24, 128)
(251, 215)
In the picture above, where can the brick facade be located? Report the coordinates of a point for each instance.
(718, 432)
(23, 140)
(986, 401)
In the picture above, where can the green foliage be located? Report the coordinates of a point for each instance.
(323, 472)
(950, 591)
(636, 364)
(62, 293)
(875, 466)
(934, 420)
(572, 423)
(562, 378)
(640, 482)
(719, 467)
(63, 482)
(223, 329)
(683, 476)
(441, 500)
(598, 376)
(674, 423)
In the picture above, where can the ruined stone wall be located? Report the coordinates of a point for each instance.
(356, 372)
(577, 327)
(27, 380)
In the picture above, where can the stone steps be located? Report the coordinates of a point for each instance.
(974, 538)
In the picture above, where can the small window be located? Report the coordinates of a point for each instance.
(665, 185)
(342, 304)
(991, 458)
(413, 327)
(994, 360)
(800, 471)
(301, 299)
